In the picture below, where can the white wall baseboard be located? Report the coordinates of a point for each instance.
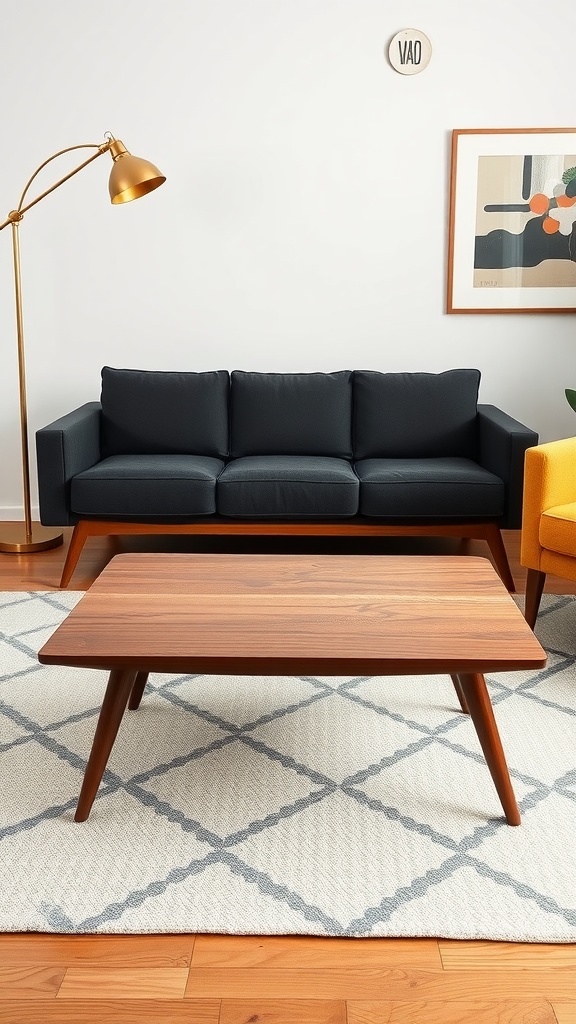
(14, 513)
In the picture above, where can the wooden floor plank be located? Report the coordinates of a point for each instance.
(29, 981)
(292, 951)
(373, 983)
(117, 950)
(108, 1011)
(492, 956)
(282, 1011)
(537, 1011)
(117, 983)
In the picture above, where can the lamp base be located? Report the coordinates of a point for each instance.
(14, 538)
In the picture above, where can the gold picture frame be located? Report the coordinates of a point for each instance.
(512, 223)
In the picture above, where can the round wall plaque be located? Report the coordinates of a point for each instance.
(409, 51)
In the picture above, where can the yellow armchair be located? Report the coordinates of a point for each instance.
(548, 543)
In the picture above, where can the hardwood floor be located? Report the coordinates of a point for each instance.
(216, 979)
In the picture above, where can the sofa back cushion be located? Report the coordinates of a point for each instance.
(157, 412)
(291, 414)
(426, 415)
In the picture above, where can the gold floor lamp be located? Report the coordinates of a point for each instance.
(130, 178)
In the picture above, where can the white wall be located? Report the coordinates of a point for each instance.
(303, 224)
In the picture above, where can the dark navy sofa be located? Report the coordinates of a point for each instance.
(355, 452)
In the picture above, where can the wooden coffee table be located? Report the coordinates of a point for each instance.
(296, 615)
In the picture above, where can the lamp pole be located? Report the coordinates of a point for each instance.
(130, 178)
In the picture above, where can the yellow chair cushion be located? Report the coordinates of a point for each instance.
(558, 529)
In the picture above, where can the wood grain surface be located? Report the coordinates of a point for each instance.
(295, 614)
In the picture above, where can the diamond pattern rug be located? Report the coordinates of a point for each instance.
(321, 806)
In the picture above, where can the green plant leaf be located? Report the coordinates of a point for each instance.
(571, 397)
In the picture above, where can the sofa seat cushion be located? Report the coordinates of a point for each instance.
(287, 487)
(558, 529)
(428, 488)
(146, 486)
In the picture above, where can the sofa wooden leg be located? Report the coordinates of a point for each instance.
(496, 545)
(534, 587)
(77, 541)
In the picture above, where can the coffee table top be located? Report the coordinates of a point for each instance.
(296, 614)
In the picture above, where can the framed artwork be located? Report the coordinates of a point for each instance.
(512, 232)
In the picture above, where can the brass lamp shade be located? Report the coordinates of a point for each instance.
(131, 177)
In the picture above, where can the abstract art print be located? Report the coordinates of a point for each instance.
(512, 239)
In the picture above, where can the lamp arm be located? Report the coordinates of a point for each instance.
(14, 218)
(135, 178)
(17, 214)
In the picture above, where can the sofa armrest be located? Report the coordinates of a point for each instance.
(502, 444)
(63, 448)
(549, 480)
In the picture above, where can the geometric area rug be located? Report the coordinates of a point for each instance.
(355, 806)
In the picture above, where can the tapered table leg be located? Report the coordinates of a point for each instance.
(482, 714)
(137, 691)
(119, 687)
(460, 694)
